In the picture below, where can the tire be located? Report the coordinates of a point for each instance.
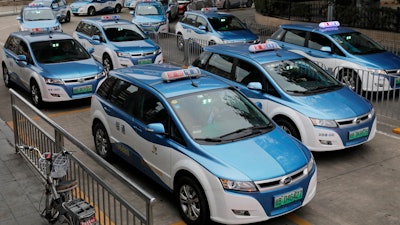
(351, 79)
(289, 127)
(102, 141)
(117, 8)
(107, 63)
(192, 202)
(6, 77)
(249, 3)
(67, 18)
(91, 11)
(36, 95)
(180, 42)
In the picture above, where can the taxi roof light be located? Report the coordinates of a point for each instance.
(267, 46)
(35, 4)
(110, 17)
(329, 24)
(179, 74)
(209, 9)
(40, 29)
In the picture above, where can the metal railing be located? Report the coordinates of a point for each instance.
(111, 207)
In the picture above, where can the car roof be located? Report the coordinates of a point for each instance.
(151, 75)
(314, 27)
(241, 50)
(101, 22)
(41, 36)
(208, 14)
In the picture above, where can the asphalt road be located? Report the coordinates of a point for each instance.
(357, 186)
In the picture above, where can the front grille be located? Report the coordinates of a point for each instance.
(142, 54)
(354, 121)
(276, 182)
(79, 80)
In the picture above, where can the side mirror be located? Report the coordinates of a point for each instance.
(18, 18)
(255, 86)
(132, 12)
(90, 50)
(21, 58)
(326, 49)
(157, 128)
(202, 27)
(96, 39)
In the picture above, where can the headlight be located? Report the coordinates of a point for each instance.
(323, 123)
(100, 75)
(158, 51)
(53, 81)
(310, 165)
(123, 54)
(377, 71)
(372, 113)
(246, 186)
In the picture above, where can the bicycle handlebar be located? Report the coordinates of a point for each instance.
(31, 148)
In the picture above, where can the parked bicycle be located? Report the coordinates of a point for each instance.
(60, 205)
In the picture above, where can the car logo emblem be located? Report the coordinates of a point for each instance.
(286, 180)
(357, 120)
(80, 80)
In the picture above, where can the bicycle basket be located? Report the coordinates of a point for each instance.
(60, 165)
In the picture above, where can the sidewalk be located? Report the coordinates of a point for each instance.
(20, 189)
(10, 10)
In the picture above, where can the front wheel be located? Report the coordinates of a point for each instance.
(107, 63)
(180, 42)
(192, 202)
(102, 141)
(6, 77)
(350, 78)
(91, 11)
(36, 95)
(289, 127)
(117, 8)
(249, 3)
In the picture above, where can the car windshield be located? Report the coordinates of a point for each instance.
(357, 43)
(219, 115)
(126, 32)
(38, 14)
(301, 76)
(148, 9)
(56, 51)
(226, 23)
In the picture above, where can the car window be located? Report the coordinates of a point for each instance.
(24, 50)
(300, 76)
(357, 43)
(296, 37)
(189, 19)
(201, 21)
(226, 23)
(12, 44)
(124, 32)
(202, 60)
(246, 73)
(220, 65)
(56, 51)
(84, 28)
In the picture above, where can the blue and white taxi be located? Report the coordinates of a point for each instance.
(117, 43)
(298, 95)
(93, 7)
(151, 17)
(60, 9)
(131, 4)
(355, 59)
(52, 66)
(38, 16)
(208, 27)
(203, 140)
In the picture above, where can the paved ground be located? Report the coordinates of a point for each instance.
(20, 188)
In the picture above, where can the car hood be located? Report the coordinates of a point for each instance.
(266, 156)
(40, 24)
(149, 19)
(383, 60)
(75, 69)
(136, 46)
(237, 35)
(339, 104)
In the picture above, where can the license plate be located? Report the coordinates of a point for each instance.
(397, 80)
(144, 61)
(363, 132)
(82, 89)
(287, 198)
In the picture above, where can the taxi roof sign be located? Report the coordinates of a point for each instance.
(110, 17)
(267, 46)
(209, 9)
(329, 24)
(179, 74)
(35, 4)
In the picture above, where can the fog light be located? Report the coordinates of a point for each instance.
(241, 212)
(325, 142)
(55, 95)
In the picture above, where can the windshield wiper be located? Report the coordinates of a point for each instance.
(209, 139)
(247, 131)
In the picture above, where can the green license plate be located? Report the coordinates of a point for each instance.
(144, 61)
(363, 132)
(82, 89)
(397, 80)
(287, 198)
